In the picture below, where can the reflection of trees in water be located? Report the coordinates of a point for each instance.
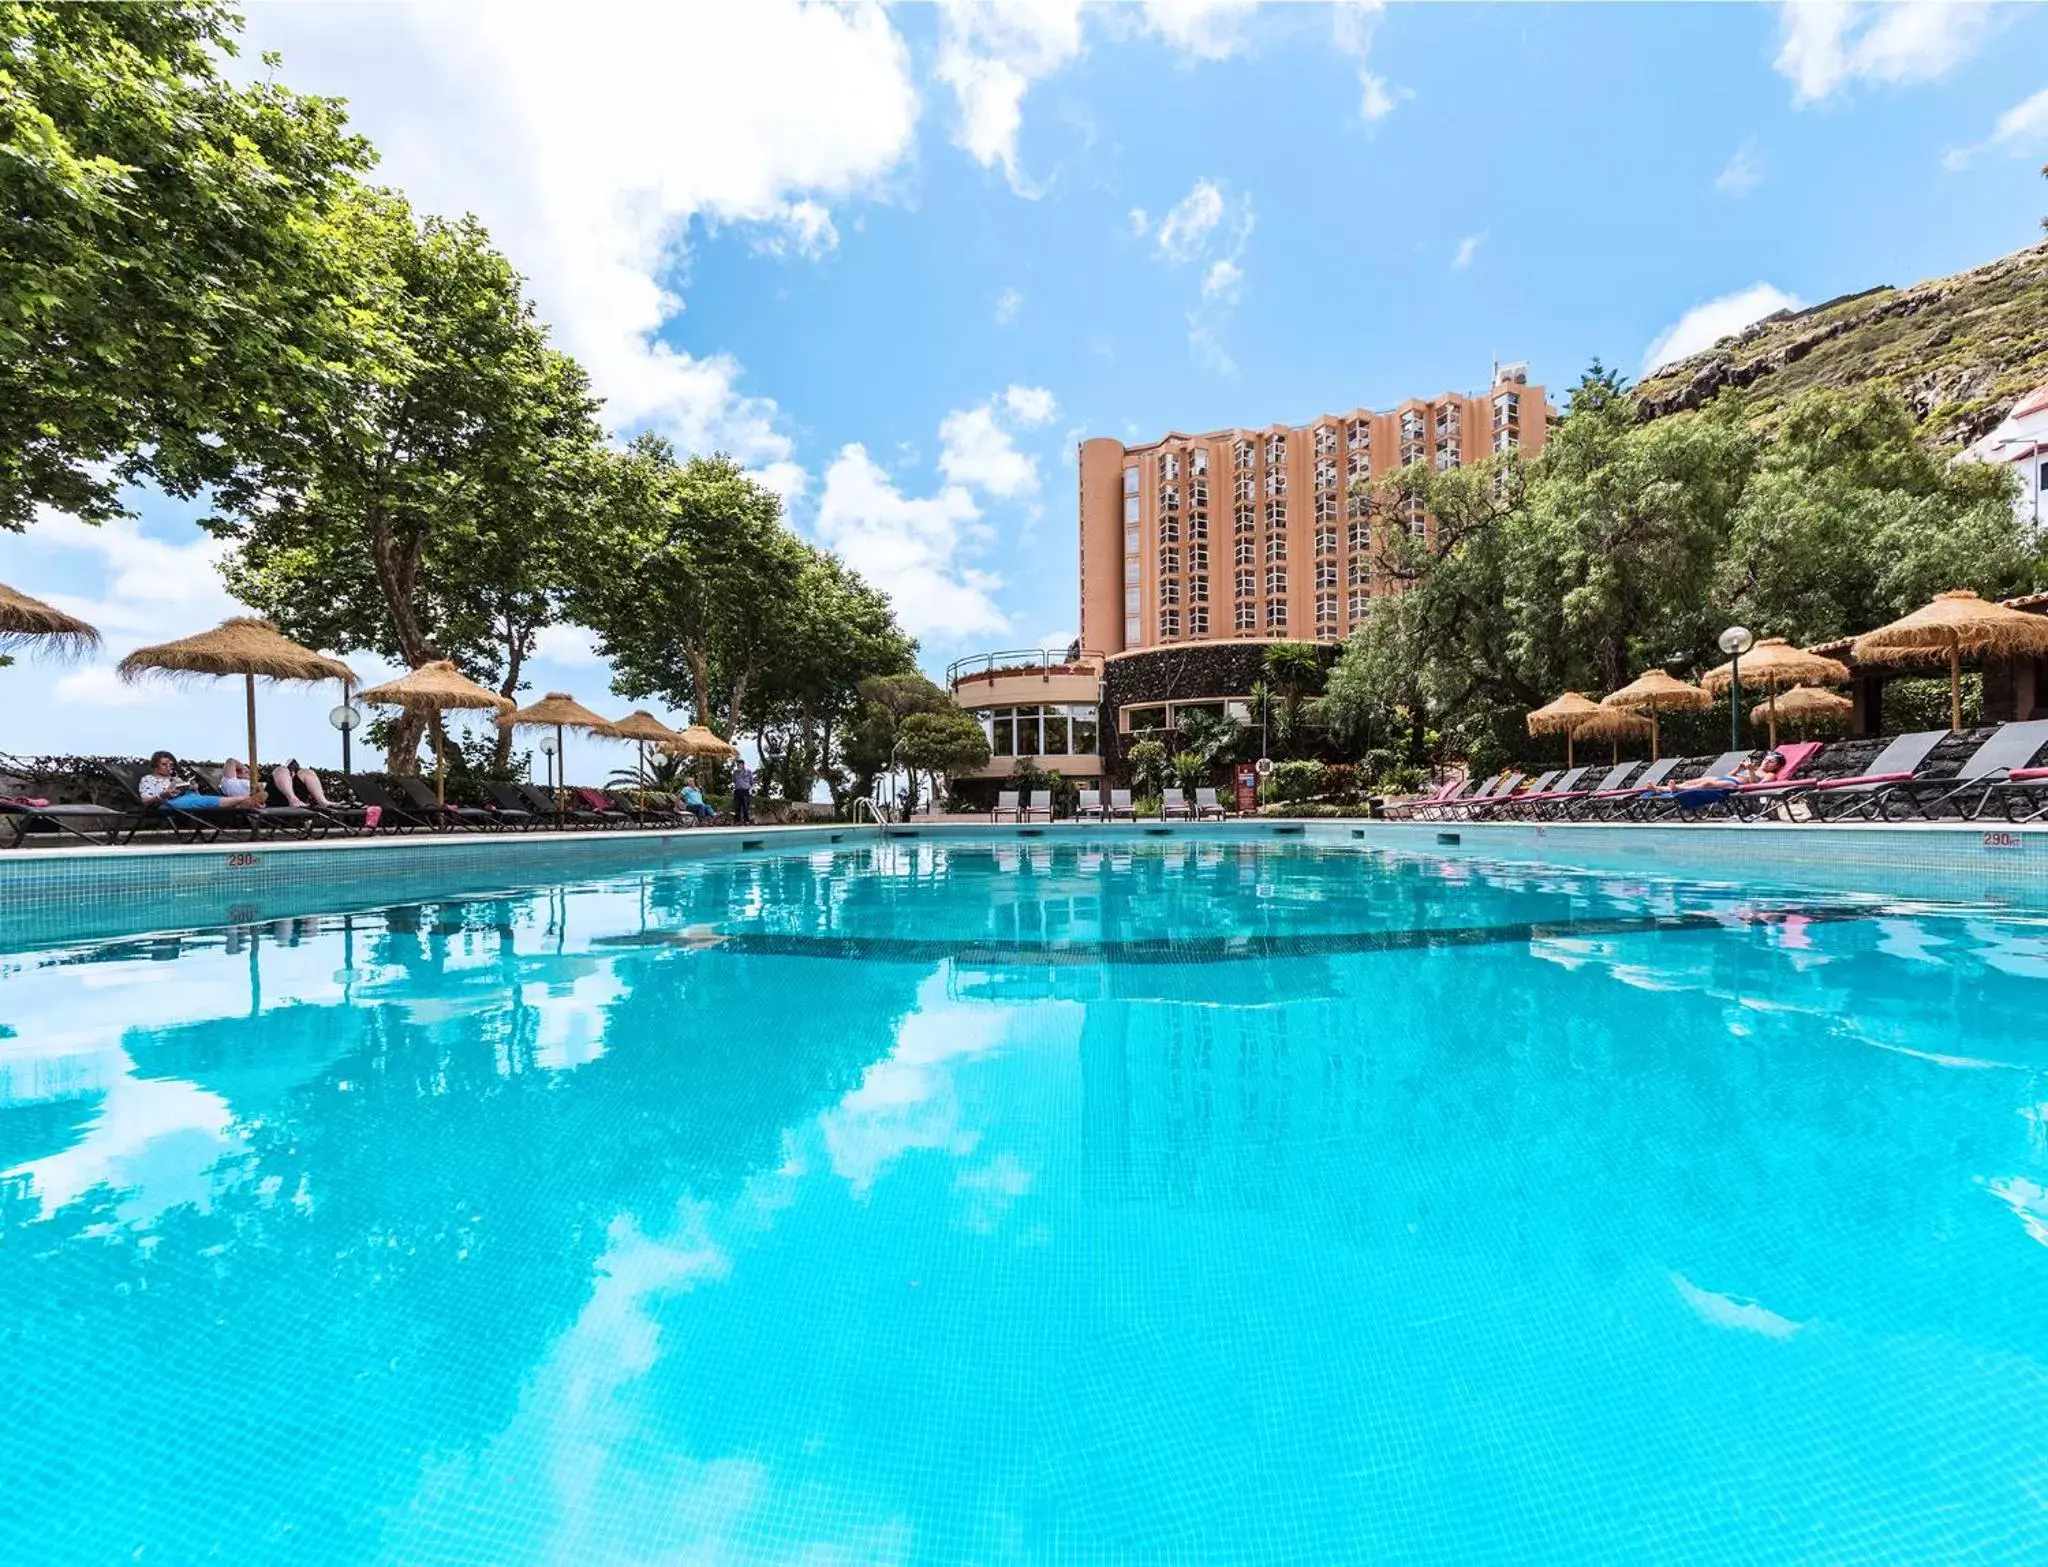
(414, 1220)
(1712, 1104)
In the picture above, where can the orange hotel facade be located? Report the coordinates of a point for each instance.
(1254, 533)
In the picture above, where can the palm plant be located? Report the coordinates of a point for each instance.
(1213, 737)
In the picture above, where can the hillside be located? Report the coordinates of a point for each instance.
(1961, 349)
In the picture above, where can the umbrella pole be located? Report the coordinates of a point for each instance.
(440, 774)
(255, 770)
(1567, 748)
(1653, 734)
(562, 777)
(1774, 718)
(1955, 693)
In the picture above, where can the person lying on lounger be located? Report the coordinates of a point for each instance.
(291, 784)
(234, 780)
(162, 785)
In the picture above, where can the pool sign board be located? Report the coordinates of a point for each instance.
(1248, 787)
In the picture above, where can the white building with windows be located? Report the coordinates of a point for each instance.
(2021, 443)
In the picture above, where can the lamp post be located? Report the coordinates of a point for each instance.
(345, 718)
(1735, 642)
(547, 749)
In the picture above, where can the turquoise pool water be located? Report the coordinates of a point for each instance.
(919, 1202)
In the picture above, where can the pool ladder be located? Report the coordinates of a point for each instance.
(874, 812)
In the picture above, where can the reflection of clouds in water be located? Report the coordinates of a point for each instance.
(993, 1189)
(2012, 949)
(907, 1100)
(2027, 1199)
(157, 1141)
(574, 1467)
(1728, 1311)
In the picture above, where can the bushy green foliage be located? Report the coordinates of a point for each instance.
(1147, 762)
(1190, 770)
(1300, 780)
(1027, 777)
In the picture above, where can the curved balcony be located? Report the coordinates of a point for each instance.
(1015, 675)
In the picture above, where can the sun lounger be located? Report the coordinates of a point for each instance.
(95, 824)
(1172, 803)
(1206, 804)
(1505, 800)
(2022, 797)
(1559, 802)
(1602, 803)
(1440, 810)
(1090, 808)
(420, 800)
(1008, 803)
(1834, 799)
(189, 824)
(1690, 794)
(1120, 805)
(569, 813)
(1696, 803)
(1560, 784)
(512, 808)
(1494, 789)
(1041, 805)
(1971, 788)
(1401, 810)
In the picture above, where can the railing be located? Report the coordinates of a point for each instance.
(1043, 662)
(873, 810)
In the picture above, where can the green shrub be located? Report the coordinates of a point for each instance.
(1147, 763)
(1294, 781)
(1148, 805)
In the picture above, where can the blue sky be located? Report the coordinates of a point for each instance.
(901, 260)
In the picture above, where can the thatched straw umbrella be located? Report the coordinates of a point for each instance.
(557, 711)
(641, 726)
(1802, 705)
(1655, 692)
(1954, 624)
(1614, 725)
(699, 741)
(245, 646)
(1562, 717)
(433, 689)
(1775, 665)
(24, 619)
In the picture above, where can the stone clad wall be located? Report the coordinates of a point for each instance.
(1184, 672)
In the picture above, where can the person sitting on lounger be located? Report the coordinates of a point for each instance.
(162, 785)
(693, 802)
(1762, 772)
(291, 784)
(234, 780)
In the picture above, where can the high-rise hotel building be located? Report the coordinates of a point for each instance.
(1256, 533)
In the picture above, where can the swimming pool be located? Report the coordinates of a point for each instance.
(1005, 1200)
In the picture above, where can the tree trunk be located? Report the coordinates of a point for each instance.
(515, 660)
(397, 568)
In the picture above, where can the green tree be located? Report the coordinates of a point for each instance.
(164, 284)
(1146, 762)
(869, 747)
(1294, 671)
(939, 744)
(436, 492)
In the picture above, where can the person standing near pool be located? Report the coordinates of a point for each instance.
(742, 792)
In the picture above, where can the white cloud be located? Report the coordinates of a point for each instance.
(911, 549)
(990, 52)
(1827, 45)
(1222, 282)
(1030, 405)
(975, 450)
(1008, 306)
(571, 646)
(1705, 325)
(1353, 23)
(1468, 247)
(1140, 220)
(1184, 232)
(587, 158)
(2021, 129)
(1207, 29)
(1743, 174)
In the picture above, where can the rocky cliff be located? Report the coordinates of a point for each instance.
(1960, 349)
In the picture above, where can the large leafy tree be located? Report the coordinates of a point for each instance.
(164, 266)
(939, 743)
(436, 488)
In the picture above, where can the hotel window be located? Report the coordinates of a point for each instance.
(1169, 622)
(1359, 505)
(1198, 461)
(1276, 481)
(1002, 731)
(1081, 730)
(1133, 631)
(1358, 435)
(1276, 449)
(1169, 498)
(1326, 476)
(1246, 519)
(1276, 613)
(1326, 439)
(1169, 530)
(1247, 584)
(1276, 514)
(1169, 465)
(1169, 560)
(1131, 572)
(1246, 617)
(1242, 489)
(1361, 535)
(1198, 590)
(1276, 547)
(1243, 454)
(1328, 507)
(1276, 580)
(1446, 457)
(1326, 541)
(1198, 526)
(1130, 481)
(1198, 557)
(1169, 591)
(1358, 601)
(1053, 732)
(1505, 440)
(1130, 541)
(1130, 508)
(1198, 622)
(1130, 601)
(1507, 409)
(1359, 465)
(1326, 609)
(1361, 570)
(1247, 552)
(1326, 574)
(1198, 493)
